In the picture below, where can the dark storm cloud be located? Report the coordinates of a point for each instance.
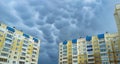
(54, 21)
(23, 11)
(59, 24)
(51, 19)
(7, 14)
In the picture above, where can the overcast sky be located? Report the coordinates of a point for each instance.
(54, 21)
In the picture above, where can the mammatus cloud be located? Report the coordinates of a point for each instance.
(54, 21)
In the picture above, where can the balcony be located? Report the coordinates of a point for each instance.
(35, 40)
(64, 60)
(91, 62)
(91, 57)
(89, 50)
(26, 36)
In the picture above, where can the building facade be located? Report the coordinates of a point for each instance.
(17, 47)
(117, 16)
(100, 49)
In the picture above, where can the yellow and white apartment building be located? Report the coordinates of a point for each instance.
(100, 49)
(17, 47)
(117, 16)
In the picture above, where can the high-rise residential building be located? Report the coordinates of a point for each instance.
(117, 16)
(17, 47)
(99, 49)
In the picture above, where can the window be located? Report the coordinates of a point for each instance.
(15, 57)
(3, 60)
(14, 62)
(35, 45)
(5, 49)
(90, 59)
(75, 62)
(4, 54)
(103, 50)
(23, 49)
(102, 42)
(16, 48)
(7, 45)
(24, 45)
(111, 59)
(33, 60)
(23, 58)
(35, 48)
(32, 63)
(26, 60)
(103, 54)
(89, 46)
(64, 58)
(25, 41)
(74, 52)
(9, 36)
(33, 55)
(23, 53)
(64, 47)
(75, 57)
(90, 52)
(104, 58)
(84, 49)
(15, 52)
(102, 46)
(60, 45)
(34, 52)
(118, 55)
(109, 46)
(21, 62)
(105, 63)
(90, 56)
(8, 40)
(64, 54)
(64, 51)
(10, 32)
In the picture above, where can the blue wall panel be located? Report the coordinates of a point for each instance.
(10, 29)
(74, 41)
(65, 42)
(25, 35)
(36, 40)
(100, 36)
(88, 38)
